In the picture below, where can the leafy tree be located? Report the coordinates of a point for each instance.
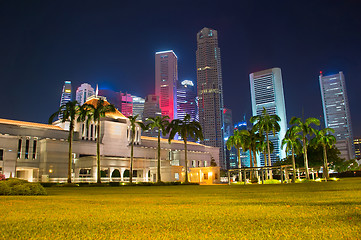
(185, 128)
(266, 124)
(69, 112)
(293, 144)
(133, 127)
(325, 139)
(160, 123)
(304, 129)
(90, 112)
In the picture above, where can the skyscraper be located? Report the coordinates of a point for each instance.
(151, 109)
(357, 144)
(186, 100)
(210, 90)
(166, 78)
(65, 95)
(83, 92)
(267, 92)
(122, 101)
(230, 155)
(138, 106)
(337, 112)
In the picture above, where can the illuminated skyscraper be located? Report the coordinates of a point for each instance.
(186, 100)
(210, 90)
(122, 101)
(151, 109)
(337, 112)
(65, 95)
(231, 155)
(138, 106)
(83, 92)
(166, 78)
(267, 92)
(357, 144)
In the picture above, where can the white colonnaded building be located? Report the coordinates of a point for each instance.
(39, 152)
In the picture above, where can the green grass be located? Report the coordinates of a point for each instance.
(326, 210)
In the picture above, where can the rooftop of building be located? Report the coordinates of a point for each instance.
(116, 115)
(173, 141)
(29, 124)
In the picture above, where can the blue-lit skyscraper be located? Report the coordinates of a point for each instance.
(186, 100)
(65, 95)
(267, 92)
(337, 112)
(244, 155)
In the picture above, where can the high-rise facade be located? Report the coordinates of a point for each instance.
(83, 93)
(138, 106)
(122, 101)
(210, 90)
(151, 109)
(230, 155)
(336, 112)
(65, 95)
(357, 144)
(186, 100)
(267, 92)
(166, 78)
(244, 155)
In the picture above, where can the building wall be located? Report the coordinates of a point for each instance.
(267, 92)
(210, 90)
(51, 162)
(166, 79)
(337, 112)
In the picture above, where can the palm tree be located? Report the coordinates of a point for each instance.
(133, 127)
(236, 141)
(69, 112)
(267, 124)
(90, 112)
(161, 123)
(292, 142)
(304, 129)
(185, 128)
(326, 140)
(263, 146)
(250, 139)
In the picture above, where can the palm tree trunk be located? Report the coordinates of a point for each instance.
(70, 159)
(325, 164)
(131, 158)
(265, 163)
(158, 172)
(98, 153)
(255, 162)
(186, 159)
(239, 164)
(305, 157)
(250, 163)
(270, 175)
(293, 166)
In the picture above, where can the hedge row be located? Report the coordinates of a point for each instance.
(15, 186)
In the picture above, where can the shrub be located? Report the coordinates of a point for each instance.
(4, 188)
(48, 184)
(114, 184)
(14, 186)
(272, 181)
(2, 177)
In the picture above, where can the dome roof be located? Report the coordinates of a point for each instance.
(116, 115)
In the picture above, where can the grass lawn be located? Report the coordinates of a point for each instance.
(329, 210)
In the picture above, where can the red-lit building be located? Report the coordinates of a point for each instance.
(122, 101)
(166, 78)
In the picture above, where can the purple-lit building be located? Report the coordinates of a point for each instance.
(186, 100)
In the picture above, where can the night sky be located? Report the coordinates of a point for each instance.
(112, 43)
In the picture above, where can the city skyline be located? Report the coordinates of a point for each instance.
(42, 54)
